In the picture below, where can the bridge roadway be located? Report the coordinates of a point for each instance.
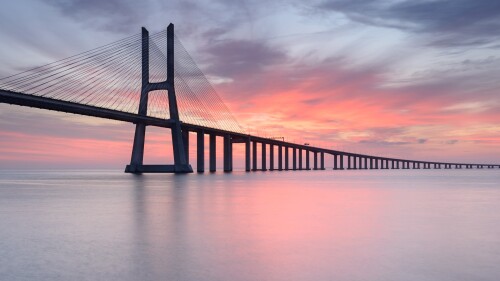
(342, 159)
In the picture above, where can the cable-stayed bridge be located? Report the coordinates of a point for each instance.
(151, 80)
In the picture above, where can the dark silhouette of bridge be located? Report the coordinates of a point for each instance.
(135, 80)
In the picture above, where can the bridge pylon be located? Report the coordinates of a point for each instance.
(181, 162)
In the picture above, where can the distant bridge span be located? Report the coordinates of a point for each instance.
(48, 88)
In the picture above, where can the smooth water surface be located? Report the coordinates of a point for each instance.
(309, 225)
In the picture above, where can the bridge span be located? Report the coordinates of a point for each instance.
(74, 85)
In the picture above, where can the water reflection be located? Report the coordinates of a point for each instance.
(274, 226)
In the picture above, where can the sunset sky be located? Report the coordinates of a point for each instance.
(409, 79)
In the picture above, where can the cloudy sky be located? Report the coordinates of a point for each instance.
(412, 79)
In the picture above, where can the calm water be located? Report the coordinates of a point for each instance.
(311, 225)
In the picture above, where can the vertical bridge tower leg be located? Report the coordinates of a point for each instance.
(181, 163)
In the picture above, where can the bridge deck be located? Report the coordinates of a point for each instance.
(77, 108)
(21, 99)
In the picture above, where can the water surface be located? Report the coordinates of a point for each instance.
(309, 225)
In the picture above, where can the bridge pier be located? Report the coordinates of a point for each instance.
(212, 153)
(185, 139)
(315, 165)
(300, 159)
(271, 157)
(322, 161)
(264, 160)
(200, 151)
(294, 158)
(181, 158)
(254, 156)
(280, 158)
(228, 158)
(308, 167)
(247, 155)
(287, 167)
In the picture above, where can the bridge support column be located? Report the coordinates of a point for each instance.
(254, 156)
(200, 151)
(366, 163)
(287, 167)
(247, 155)
(271, 157)
(228, 158)
(300, 159)
(308, 167)
(185, 139)
(280, 157)
(138, 146)
(213, 152)
(322, 161)
(335, 167)
(264, 160)
(315, 165)
(349, 167)
(294, 159)
(341, 162)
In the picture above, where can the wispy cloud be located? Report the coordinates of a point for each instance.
(401, 78)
